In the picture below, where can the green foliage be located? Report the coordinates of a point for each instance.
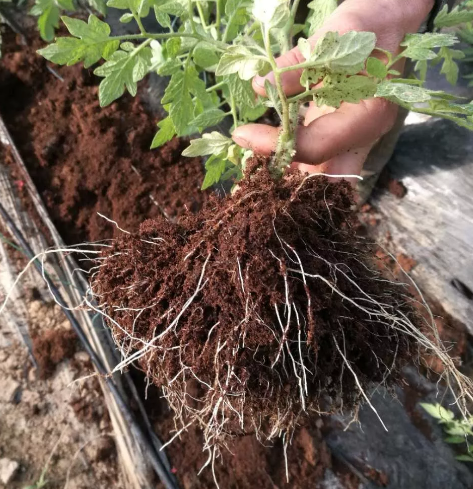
(91, 42)
(212, 50)
(460, 431)
(320, 10)
(49, 11)
(450, 19)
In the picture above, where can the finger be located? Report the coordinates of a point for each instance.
(260, 138)
(352, 126)
(390, 21)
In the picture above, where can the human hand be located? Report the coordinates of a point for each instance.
(338, 141)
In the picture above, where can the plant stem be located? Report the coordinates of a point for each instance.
(201, 15)
(234, 111)
(191, 15)
(138, 21)
(216, 86)
(290, 112)
(168, 35)
(218, 18)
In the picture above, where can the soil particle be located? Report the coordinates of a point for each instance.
(85, 159)
(51, 347)
(247, 250)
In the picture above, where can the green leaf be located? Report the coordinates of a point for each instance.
(209, 118)
(455, 17)
(450, 67)
(273, 97)
(213, 143)
(205, 55)
(464, 458)
(321, 9)
(375, 67)
(242, 91)
(340, 89)
(438, 412)
(122, 71)
(126, 18)
(166, 133)
(344, 54)
(455, 439)
(272, 13)
(48, 21)
(420, 46)
(173, 46)
(98, 5)
(402, 93)
(239, 59)
(237, 16)
(458, 429)
(214, 169)
(141, 7)
(91, 43)
(178, 94)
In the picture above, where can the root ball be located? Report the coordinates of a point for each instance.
(263, 306)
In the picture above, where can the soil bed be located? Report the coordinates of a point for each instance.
(84, 159)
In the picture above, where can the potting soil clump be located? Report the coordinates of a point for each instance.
(260, 308)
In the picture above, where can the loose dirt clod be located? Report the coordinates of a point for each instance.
(258, 309)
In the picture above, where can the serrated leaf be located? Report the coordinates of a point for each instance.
(437, 411)
(213, 143)
(456, 17)
(237, 13)
(47, 12)
(209, 118)
(375, 67)
(344, 54)
(166, 133)
(239, 59)
(271, 13)
(214, 169)
(242, 91)
(420, 46)
(320, 11)
(122, 71)
(273, 97)
(400, 92)
(178, 94)
(91, 43)
(350, 89)
(450, 67)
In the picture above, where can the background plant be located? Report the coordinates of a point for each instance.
(49, 12)
(211, 51)
(459, 431)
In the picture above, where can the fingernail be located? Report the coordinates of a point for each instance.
(244, 143)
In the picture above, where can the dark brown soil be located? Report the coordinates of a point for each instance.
(84, 159)
(253, 320)
(51, 347)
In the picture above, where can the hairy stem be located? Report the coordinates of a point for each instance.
(289, 118)
(168, 35)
